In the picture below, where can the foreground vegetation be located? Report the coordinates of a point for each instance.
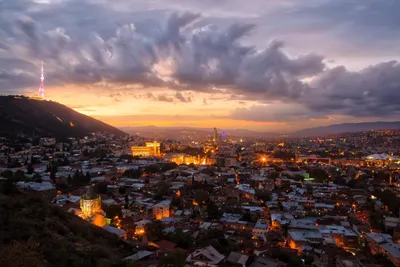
(34, 233)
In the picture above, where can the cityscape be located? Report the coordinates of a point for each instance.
(188, 133)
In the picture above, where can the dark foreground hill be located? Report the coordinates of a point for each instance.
(348, 128)
(22, 115)
(34, 233)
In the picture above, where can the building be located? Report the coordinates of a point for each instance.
(261, 227)
(150, 149)
(301, 238)
(90, 203)
(207, 256)
(383, 244)
(237, 259)
(161, 210)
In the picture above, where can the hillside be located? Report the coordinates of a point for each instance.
(34, 233)
(22, 115)
(348, 128)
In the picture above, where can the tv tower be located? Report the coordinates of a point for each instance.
(41, 87)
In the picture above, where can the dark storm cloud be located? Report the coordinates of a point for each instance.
(91, 43)
(373, 91)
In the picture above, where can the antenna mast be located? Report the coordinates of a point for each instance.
(41, 87)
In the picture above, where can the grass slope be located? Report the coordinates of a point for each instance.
(20, 114)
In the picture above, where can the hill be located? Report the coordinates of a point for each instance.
(23, 115)
(34, 233)
(348, 128)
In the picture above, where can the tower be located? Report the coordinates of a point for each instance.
(215, 139)
(41, 87)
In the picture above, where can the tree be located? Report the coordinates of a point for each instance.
(213, 211)
(173, 259)
(19, 175)
(101, 188)
(162, 191)
(154, 230)
(264, 196)
(126, 205)
(176, 202)
(181, 239)
(201, 197)
(7, 174)
(112, 211)
(320, 175)
(122, 190)
(87, 177)
(37, 178)
(29, 169)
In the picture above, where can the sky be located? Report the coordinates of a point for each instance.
(276, 65)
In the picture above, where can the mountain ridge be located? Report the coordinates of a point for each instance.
(348, 128)
(313, 131)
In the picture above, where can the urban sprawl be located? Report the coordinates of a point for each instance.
(225, 200)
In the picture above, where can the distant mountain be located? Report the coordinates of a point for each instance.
(348, 128)
(23, 115)
(179, 131)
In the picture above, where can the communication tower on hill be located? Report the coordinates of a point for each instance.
(41, 87)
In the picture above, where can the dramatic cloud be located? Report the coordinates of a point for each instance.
(276, 112)
(128, 48)
(373, 91)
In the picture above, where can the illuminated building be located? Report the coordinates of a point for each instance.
(215, 139)
(299, 238)
(90, 203)
(183, 159)
(151, 149)
(161, 210)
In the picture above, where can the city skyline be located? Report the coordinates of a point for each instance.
(276, 66)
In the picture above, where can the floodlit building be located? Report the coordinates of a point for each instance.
(150, 149)
(161, 210)
(90, 203)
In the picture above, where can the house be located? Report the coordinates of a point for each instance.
(161, 209)
(237, 259)
(207, 256)
(280, 219)
(261, 227)
(300, 238)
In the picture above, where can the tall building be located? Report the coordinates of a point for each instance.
(215, 139)
(151, 149)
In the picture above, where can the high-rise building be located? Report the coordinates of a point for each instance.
(215, 139)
